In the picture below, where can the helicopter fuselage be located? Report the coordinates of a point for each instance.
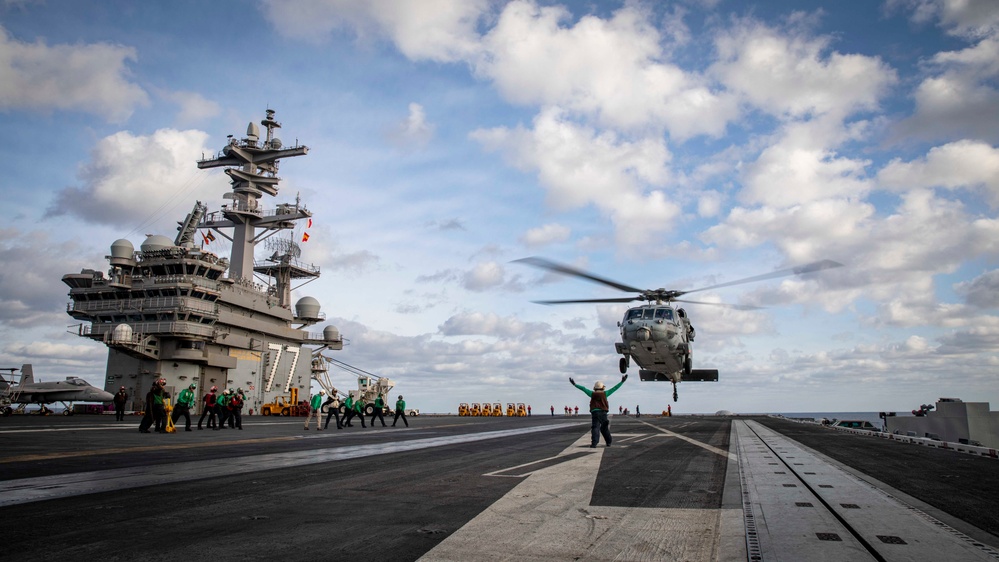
(657, 337)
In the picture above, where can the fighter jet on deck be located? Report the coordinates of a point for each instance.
(26, 391)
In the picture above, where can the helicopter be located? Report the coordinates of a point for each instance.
(657, 335)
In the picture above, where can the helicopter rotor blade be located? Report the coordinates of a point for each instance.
(583, 301)
(567, 270)
(722, 304)
(800, 270)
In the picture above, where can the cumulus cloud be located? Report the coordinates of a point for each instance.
(579, 166)
(485, 275)
(32, 296)
(890, 258)
(958, 17)
(709, 204)
(438, 30)
(802, 166)
(963, 164)
(613, 69)
(959, 97)
(131, 176)
(544, 235)
(193, 107)
(982, 291)
(445, 225)
(92, 78)
(490, 324)
(796, 76)
(414, 131)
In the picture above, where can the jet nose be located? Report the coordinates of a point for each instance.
(104, 396)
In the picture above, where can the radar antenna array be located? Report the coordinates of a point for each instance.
(284, 247)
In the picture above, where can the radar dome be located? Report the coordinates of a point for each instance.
(330, 333)
(307, 307)
(122, 248)
(156, 242)
(122, 333)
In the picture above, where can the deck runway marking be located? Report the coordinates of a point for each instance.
(179, 446)
(142, 449)
(540, 463)
(51, 429)
(550, 517)
(116, 427)
(731, 456)
(27, 490)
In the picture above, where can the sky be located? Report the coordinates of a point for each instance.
(659, 144)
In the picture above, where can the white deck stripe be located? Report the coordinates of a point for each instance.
(26, 490)
(712, 448)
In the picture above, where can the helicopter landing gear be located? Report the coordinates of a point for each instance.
(623, 364)
(675, 395)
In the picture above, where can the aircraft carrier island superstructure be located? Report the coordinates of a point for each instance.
(177, 311)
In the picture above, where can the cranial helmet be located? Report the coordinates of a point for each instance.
(192, 386)
(599, 385)
(161, 382)
(122, 388)
(322, 392)
(214, 388)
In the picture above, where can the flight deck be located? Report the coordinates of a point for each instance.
(450, 488)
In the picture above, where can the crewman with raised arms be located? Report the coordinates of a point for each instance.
(598, 410)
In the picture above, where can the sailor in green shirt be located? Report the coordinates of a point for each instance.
(379, 406)
(185, 401)
(348, 410)
(222, 407)
(315, 405)
(598, 409)
(400, 410)
(359, 410)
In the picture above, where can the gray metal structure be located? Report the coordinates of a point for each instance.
(175, 310)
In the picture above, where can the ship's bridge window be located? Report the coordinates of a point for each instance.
(664, 314)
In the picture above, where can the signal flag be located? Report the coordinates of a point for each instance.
(305, 237)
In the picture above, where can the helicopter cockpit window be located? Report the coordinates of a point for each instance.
(664, 314)
(647, 315)
(635, 314)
